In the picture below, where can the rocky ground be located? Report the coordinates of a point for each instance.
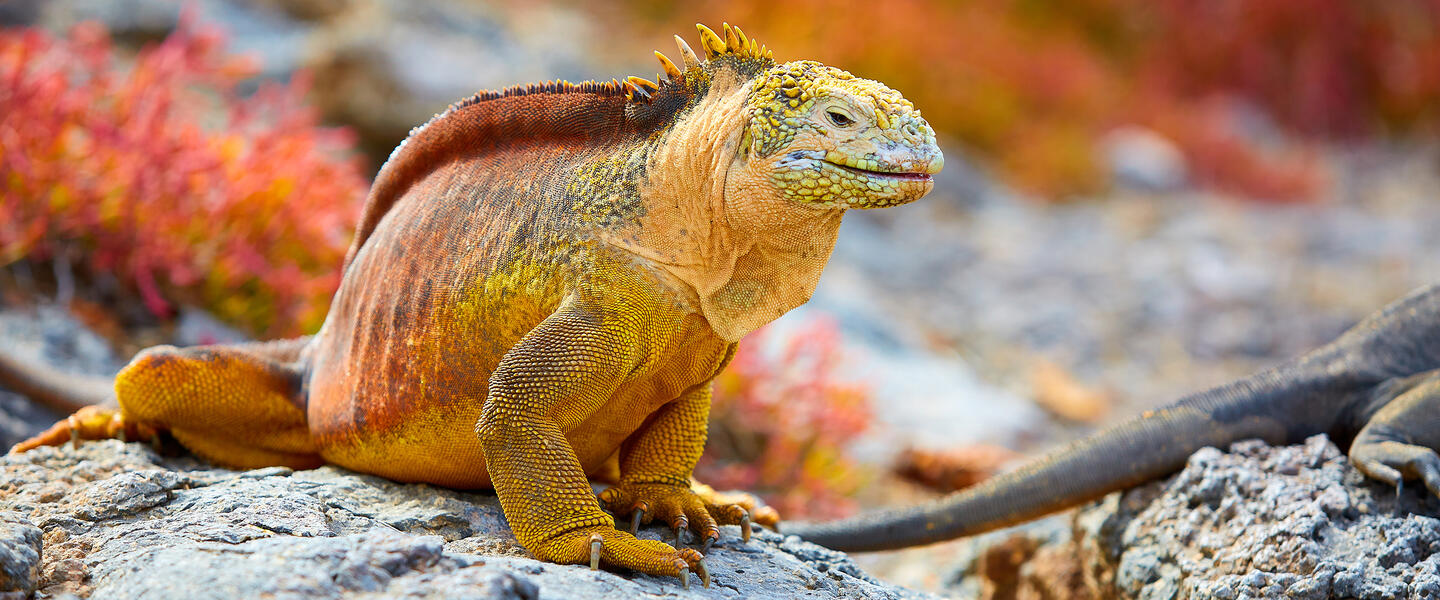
(1256, 522)
(113, 520)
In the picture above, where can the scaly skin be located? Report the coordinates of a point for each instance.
(543, 283)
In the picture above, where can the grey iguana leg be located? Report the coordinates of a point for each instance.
(1399, 441)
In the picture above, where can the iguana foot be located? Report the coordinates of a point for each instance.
(607, 546)
(674, 505)
(1393, 462)
(698, 508)
(90, 423)
(1396, 443)
(736, 508)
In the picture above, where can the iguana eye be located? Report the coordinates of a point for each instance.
(839, 119)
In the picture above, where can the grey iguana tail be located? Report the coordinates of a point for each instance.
(61, 392)
(1326, 391)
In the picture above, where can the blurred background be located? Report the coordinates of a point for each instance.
(1141, 198)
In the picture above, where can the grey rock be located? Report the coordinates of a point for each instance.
(120, 521)
(19, 553)
(1255, 522)
(1143, 159)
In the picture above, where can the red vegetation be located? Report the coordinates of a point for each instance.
(781, 421)
(163, 174)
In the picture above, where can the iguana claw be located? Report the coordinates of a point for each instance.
(635, 518)
(680, 525)
(745, 526)
(702, 572)
(684, 577)
(74, 425)
(597, 543)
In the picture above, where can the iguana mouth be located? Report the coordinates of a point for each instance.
(901, 175)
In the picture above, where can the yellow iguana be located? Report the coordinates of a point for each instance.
(542, 285)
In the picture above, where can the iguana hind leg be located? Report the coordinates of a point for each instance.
(233, 405)
(1399, 440)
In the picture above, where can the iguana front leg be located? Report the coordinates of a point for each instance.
(655, 468)
(562, 371)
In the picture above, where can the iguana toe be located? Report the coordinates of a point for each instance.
(736, 508)
(1393, 462)
(676, 506)
(88, 423)
(608, 547)
(678, 526)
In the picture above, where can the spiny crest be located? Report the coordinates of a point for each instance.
(558, 86)
(733, 45)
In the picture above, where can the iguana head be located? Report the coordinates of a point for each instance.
(810, 133)
(828, 138)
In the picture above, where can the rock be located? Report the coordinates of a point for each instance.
(120, 521)
(19, 554)
(1256, 522)
(1143, 159)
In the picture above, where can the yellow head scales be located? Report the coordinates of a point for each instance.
(878, 152)
(855, 142)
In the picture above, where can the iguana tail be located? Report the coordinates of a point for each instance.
(61, 392)
(1324, 391)
(1149, 446)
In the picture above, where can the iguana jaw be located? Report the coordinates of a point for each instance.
(837, 179)
(920, 166)
(883, 175)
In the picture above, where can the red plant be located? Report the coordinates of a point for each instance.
(781, 421)
(162, 173)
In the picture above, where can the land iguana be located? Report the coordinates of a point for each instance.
(543, 282)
